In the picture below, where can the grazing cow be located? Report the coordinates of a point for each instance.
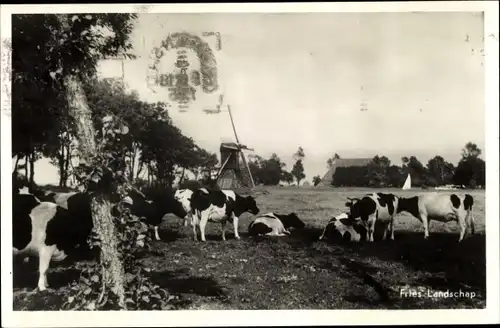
(440, 207)
(162, 203)
(373, 207)
(342, 228)
(272, 224)
(219, 206)
(184, 197)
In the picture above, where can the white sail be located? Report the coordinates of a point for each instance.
(407, 184)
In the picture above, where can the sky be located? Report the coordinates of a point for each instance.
(299, 80)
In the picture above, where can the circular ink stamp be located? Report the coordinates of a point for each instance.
(184, 65)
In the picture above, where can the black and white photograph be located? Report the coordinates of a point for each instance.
(217, 157)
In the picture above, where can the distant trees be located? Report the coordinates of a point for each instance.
(268, 171)
(316, 180)
(298, 166)
(470, 171)
(330, 161)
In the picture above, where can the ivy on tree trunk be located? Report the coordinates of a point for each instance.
(112, 268)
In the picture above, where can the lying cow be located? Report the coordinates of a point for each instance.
(184, 197)
(272, 224)
(219, 206)
(440, 207)
(373, 207)
(342, 228)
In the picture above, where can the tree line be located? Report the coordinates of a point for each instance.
(155, 150)
(379, 172)
(272, 171)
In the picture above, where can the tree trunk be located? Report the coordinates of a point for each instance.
(60, 164)
(66, 165)
(32, 168)
(113, 271)
(26, 161)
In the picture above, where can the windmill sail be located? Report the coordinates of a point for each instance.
(407, 184)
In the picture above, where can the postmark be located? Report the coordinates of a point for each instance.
(194, 68)
(6, 75)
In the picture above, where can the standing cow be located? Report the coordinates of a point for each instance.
(373, 207)
(342, 228)
(184, 197)
(161, 203)
(440, 207)
(46, 230)
(50, 231)
(219, 206)
(272, 224)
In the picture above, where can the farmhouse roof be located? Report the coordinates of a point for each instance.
(342, 162)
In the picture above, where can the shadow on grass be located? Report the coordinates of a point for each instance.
(177, 283)
(459, 264)
(26, 276)
(168, 235)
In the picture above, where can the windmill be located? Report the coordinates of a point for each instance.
(232, 174)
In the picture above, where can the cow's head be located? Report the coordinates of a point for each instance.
(331, 232)
(136, 203)
(356, 207)
(251, 205)
(292, 221)
(351, 201)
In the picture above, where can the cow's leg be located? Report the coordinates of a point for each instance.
(471, 222)
(425, 223)
(157, 236)
(203, 224)
(371, 227)
(194, 222)
(384, 236)
(463, 226)
(235, 225)
(223, 228)
(44, 256)
(392, 228)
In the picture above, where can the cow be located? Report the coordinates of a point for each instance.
(219, 206)
(51, 231)
(441, 207)
(184, 197)
(342, 228)
(373, 207)
(273, 224)
(161, 203)
(45, 230)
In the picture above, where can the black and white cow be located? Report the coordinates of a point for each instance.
(47, 231)
(219, 206)
(440, 207)
(154, 209)
(343, 229)
(273, 224)
(184, 197)
(51, 231)
(373, 207)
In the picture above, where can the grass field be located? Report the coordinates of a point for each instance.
(299, 272)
